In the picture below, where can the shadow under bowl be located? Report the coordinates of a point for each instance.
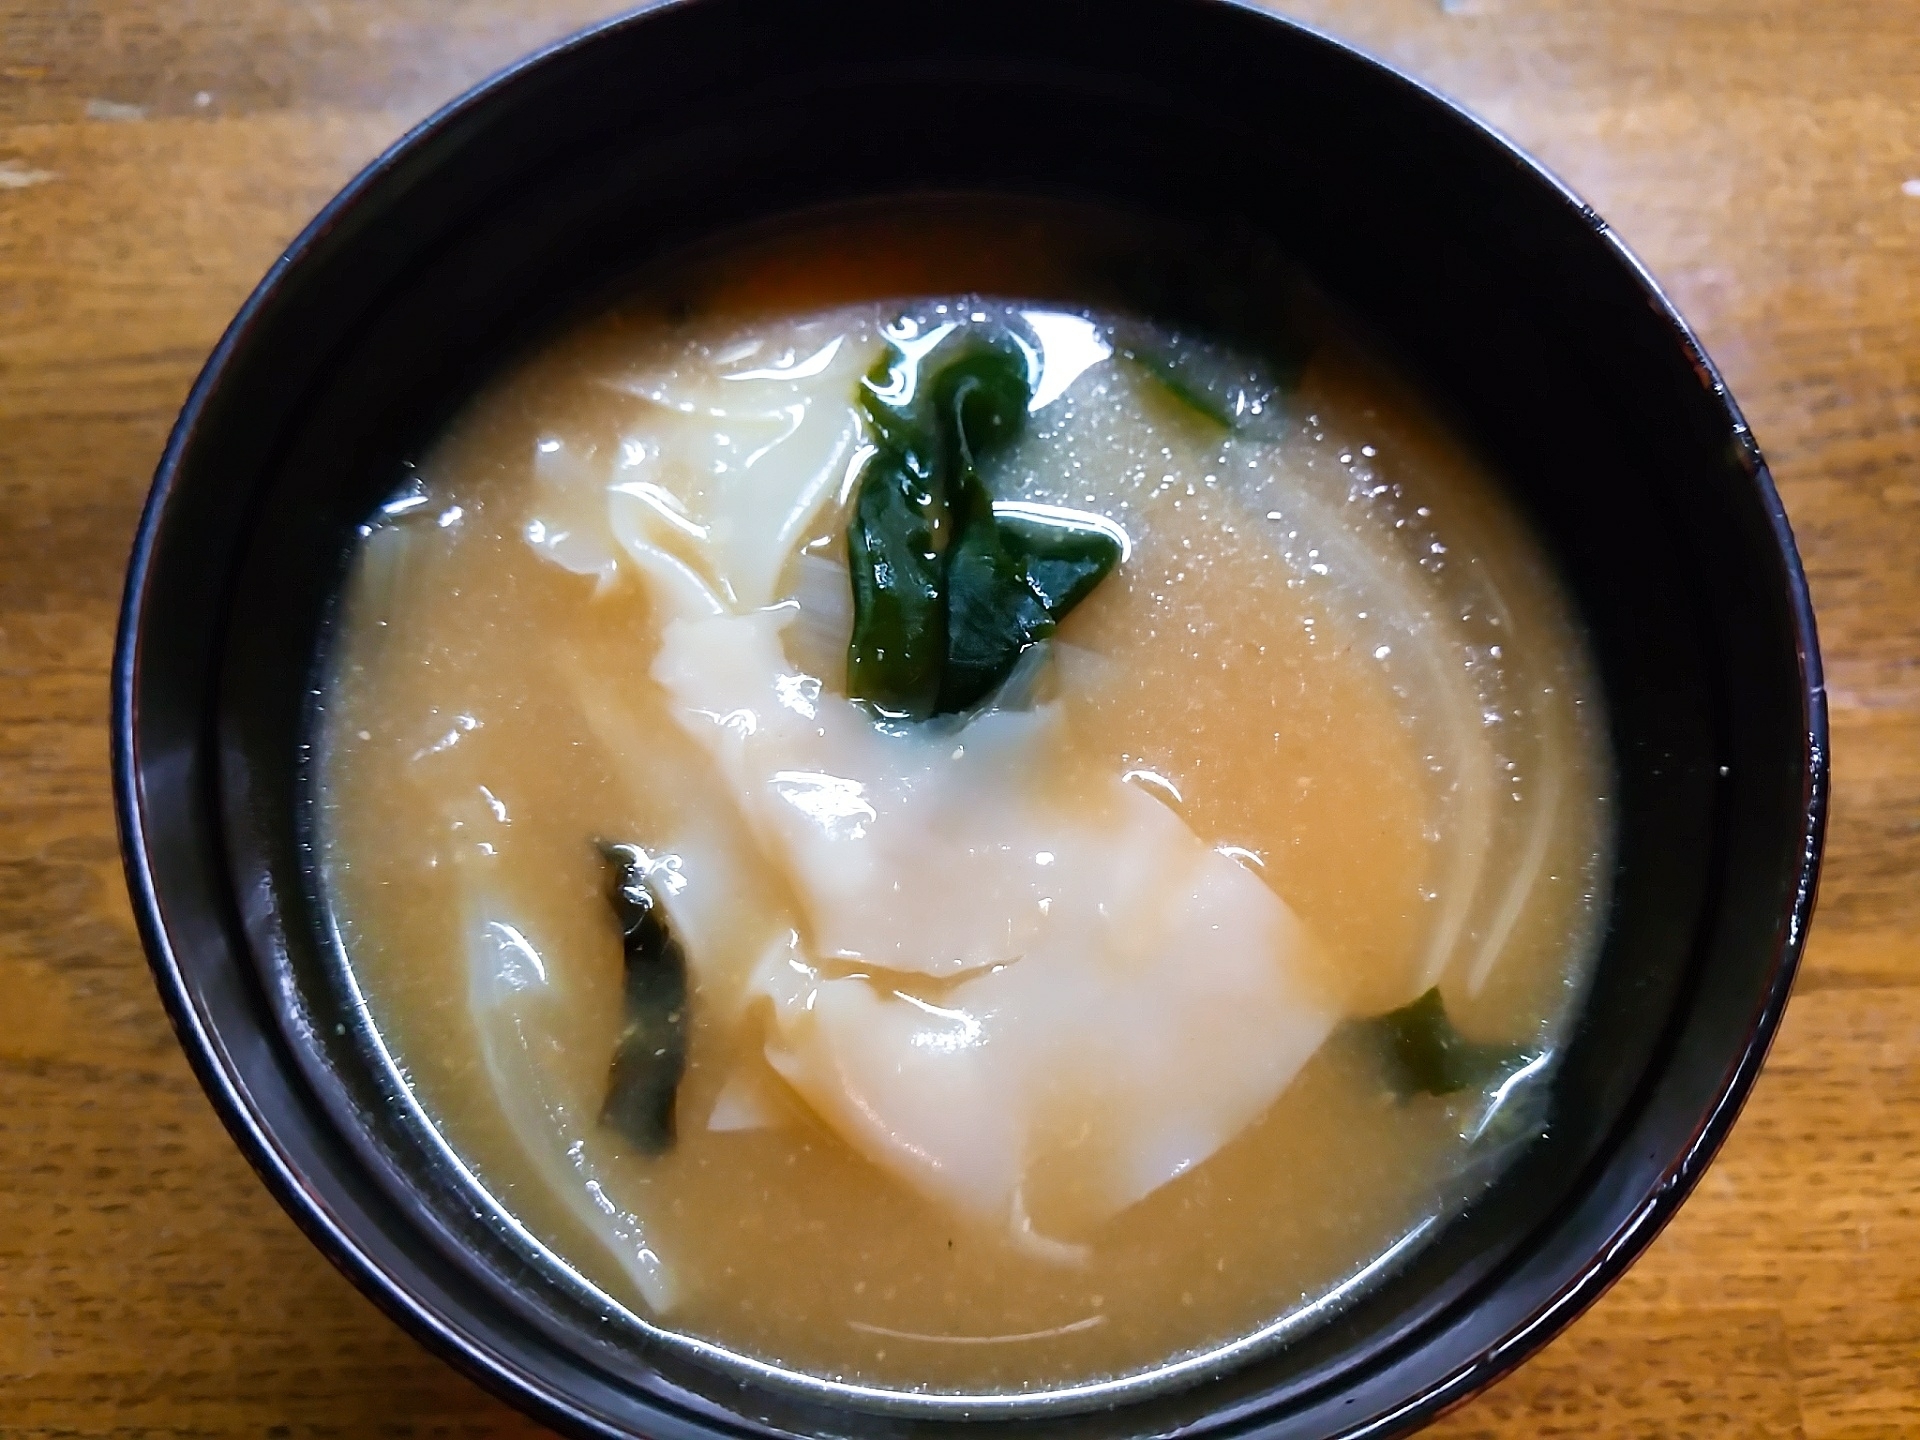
(1504, 294)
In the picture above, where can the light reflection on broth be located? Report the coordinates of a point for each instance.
(1331, 708)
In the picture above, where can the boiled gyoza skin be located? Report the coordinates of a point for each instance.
(1121, 999)
(1019, 1047)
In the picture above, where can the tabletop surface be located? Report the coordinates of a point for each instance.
(155, 155)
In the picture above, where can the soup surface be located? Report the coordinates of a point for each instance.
(1099, 1019)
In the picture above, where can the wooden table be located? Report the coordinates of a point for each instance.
(154, 157)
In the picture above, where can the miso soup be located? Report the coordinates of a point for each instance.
(966, 799)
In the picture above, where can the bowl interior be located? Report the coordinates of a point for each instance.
(1503, 294)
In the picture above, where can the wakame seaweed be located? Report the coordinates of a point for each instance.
(899, 645)
(1424, 1053)
(1220, 385)
(947, 591)
(651, 1054)
(1203, 399)
(1239, 289)
(1228, 341)
(1009, 581)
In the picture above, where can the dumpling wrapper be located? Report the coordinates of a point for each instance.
(1033, 1012)
(737, 456)
(1033, 1009)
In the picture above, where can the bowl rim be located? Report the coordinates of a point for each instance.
(219, 1075)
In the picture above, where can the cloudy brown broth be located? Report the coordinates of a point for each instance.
(1335, 675)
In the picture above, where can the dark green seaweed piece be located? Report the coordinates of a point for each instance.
(947, 593)
(1217, 384)
(651, 1054)
(1424, 1052)
(1228, 339)
(899, 602)
(1238, 289)
(1010, 579)
(949, 396)
(992, 613)
(1224, 407)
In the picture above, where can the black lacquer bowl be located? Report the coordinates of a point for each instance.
(1507, 296)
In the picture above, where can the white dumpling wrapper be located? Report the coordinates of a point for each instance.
(735, 457)
(1119, 1000)
(1032, 1013)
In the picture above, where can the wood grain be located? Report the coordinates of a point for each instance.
(156, 154)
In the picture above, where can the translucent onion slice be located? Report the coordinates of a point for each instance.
(513, 997)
